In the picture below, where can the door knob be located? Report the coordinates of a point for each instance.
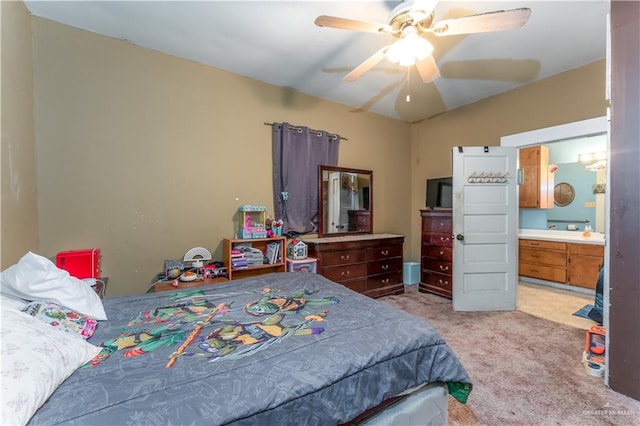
(460, 237)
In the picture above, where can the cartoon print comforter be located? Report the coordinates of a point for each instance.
(283, 348)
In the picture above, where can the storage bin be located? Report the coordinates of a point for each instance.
(80, 263)
(302, 265)
(410, 272)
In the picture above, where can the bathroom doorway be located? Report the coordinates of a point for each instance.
(595, 131)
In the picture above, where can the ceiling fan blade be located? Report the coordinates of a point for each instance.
(485, 22)
(428, 69)
(369, 63)
(351, 24)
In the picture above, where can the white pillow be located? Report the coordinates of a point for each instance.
(10, 302)
(35, 277)
(35, 359)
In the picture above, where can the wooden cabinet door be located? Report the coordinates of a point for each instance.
(584, 271)
(585, 261)
(536, 191)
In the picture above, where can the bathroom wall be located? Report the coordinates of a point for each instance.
(564, 154)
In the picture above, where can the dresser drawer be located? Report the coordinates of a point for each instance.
(439, 266)
(384, 266)
(549, 258)
(384, 252)
(441, 281)
(543, 272)
(359, 285)
(344, 273)
(436, 224)
(342, 257)
(438, 252)
(383, 280)
(444, 240)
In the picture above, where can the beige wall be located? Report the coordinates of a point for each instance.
(19, 205)
(571, 96)
(145, 155)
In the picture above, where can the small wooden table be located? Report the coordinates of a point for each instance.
(168, 285)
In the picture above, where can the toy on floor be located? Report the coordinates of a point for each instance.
(593, 357)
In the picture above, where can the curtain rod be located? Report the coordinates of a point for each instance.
(300, 128)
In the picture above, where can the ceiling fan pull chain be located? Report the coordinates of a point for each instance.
(408, 86)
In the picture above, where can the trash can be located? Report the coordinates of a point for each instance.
(410, 273)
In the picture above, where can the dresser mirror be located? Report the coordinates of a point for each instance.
(345, 202)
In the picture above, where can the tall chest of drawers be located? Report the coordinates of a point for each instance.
(370, 264)
(436, 252)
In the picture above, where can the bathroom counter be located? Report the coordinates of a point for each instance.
(596, 238)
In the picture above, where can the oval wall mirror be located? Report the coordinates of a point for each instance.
(563, 194)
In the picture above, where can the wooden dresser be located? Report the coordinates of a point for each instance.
(359, 220)
(436, 252)
(370, 264)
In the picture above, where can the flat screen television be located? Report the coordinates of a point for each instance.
(440, 193)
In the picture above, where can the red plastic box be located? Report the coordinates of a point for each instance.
(80, 263)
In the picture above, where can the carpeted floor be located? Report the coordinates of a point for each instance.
(526, 370)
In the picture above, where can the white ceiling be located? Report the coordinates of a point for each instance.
(278, 43)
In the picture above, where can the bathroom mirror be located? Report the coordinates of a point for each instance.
(345, 202)
(563, 194)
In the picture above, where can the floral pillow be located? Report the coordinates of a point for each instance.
(62, 318)
(34, 359)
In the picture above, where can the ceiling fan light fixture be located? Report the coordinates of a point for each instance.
(420, 47)
(409, 48)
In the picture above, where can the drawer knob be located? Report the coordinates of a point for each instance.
(344, 257)
(385, 267)
(385, 281)
(444, 239)
(345, 273)
(384, 252)
(441, 252)
(444, 268)
(445, 282)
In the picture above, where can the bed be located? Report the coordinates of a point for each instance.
(282, 348)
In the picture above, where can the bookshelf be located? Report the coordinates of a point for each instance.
(254, 270)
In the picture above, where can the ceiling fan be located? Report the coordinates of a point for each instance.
(409, 22)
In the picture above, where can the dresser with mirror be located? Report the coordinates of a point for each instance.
(347, 250)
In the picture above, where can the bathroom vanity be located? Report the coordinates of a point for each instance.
(565, 257)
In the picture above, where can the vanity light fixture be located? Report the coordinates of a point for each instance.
(590, 157)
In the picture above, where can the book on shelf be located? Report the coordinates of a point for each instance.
(272, 252)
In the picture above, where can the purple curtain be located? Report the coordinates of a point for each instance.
(297, 153)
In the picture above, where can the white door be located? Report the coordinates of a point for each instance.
(485, 228)
(334, 202)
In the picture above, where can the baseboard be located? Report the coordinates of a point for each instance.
(557, 285)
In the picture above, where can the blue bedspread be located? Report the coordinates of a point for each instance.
(308, 351)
